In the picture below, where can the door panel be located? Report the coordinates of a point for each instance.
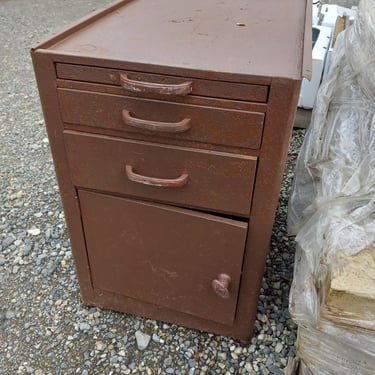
(163, 255)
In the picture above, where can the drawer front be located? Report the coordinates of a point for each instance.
(162, 119)
(163, 84)
(169, 257)
(203, 179)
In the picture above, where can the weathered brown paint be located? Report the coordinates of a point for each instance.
(163, 255)
(197, 87)
(230, 171)
(217, 181)
(207, 124)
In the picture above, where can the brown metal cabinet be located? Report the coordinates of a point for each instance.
(169, 125)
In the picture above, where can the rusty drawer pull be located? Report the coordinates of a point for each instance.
(154, 181)
(183, 88)
(221, 284)
(163, 127)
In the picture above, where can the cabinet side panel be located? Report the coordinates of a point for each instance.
(45, 75)
(274, 150)
(276, 137)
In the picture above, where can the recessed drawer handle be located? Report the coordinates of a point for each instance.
(163, 127)
(154, 181)
(221, 284)
(183, 88)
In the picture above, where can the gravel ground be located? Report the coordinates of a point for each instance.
(43, 327)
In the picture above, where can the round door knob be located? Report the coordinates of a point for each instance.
(220, 285)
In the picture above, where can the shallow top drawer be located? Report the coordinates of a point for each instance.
(164, 85)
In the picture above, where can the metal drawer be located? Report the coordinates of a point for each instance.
(162, 119)
(187, 177)
(165, 85)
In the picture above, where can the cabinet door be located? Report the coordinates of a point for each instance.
(163, 255)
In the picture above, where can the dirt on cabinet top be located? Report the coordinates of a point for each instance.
(262, 38)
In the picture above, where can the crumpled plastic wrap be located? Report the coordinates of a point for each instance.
(323, 354)
(332, 203)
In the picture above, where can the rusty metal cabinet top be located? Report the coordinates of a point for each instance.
(258, 37)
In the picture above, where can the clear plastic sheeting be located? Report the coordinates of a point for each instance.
(338, 156)
(332, 204)
(325, 354)
(332, 208)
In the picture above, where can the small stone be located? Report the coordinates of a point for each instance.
(261, 337)
(84, 326)
(84, 372)
(263, 318)
(100, 346)
(155, 338)
(222, 356)
(2, 260)
(279, 347)
(26, 250)
(238, 350)
(33, 231)
(17, 195)
(169, 370)
(248, 367)
(10, 315)
(191, 363)
(113, 360)
(275, 370)
(143, 339)
(168, 361)
(234, 355)
(276, 285)
(38, 372)
(269, 361)
(7, 241)
(17, 242)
